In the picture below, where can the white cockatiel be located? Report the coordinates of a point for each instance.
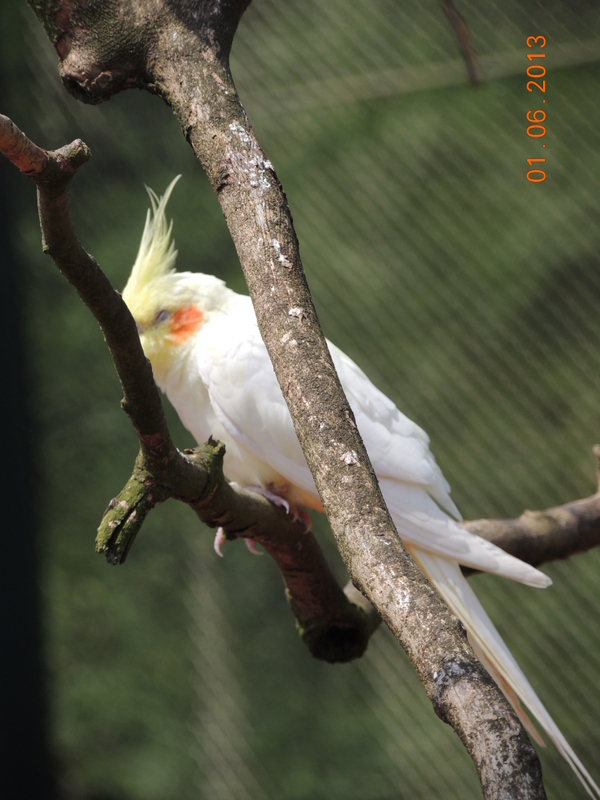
(207, 355)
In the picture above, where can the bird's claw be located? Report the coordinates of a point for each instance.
(278, 500)
(306, 519)
(221, 538)
(252, 547)
(273, 497)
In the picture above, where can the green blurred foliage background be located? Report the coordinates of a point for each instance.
(468, 294)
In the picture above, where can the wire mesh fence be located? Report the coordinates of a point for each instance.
(468, 294)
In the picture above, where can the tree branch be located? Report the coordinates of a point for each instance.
(541, 536)
(180, 51)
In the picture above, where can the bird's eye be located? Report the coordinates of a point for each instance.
(162, 316)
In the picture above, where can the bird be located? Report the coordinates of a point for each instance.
(208, 357)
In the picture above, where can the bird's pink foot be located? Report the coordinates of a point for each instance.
(277, 500)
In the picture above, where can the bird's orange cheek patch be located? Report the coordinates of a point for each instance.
(184, 323)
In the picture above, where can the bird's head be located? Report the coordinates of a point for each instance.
(169, 307)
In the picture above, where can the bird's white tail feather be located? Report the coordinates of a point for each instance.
(495, 655)
(423, 524)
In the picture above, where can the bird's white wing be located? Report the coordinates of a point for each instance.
(247, 401)
(398, 448)
(416, 492)
(246, 397)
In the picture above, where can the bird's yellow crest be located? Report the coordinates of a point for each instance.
(157, 254)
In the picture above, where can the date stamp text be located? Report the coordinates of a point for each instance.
(536, 71)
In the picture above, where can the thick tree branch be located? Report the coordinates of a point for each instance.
(541, 536)
(180, 51)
